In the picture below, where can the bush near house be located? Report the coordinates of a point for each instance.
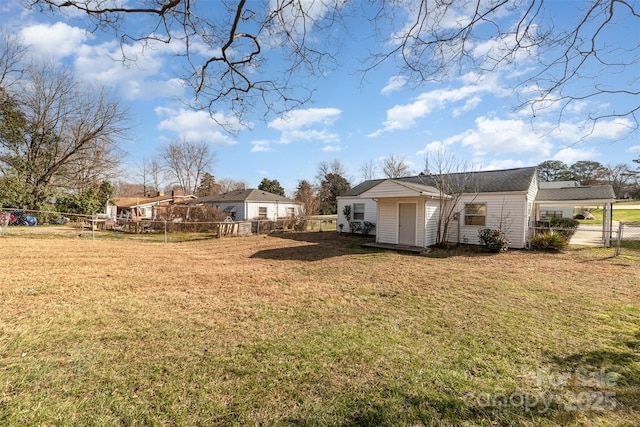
(364, 227)
(493, 240)
(564, 226)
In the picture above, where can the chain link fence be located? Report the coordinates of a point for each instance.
(16, 221)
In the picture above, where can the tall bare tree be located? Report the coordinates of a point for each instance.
(430, 40)
(67, 133)
(186, 162)
(230, 184)
(369, 170)
(12, 66)
(621, 177)
(396, 166)
(453, 180)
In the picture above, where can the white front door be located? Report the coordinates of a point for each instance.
(407, 224)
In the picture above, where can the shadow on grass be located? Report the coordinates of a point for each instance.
(322, 245)
(614, 369)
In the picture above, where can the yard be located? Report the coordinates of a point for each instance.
(312, 329)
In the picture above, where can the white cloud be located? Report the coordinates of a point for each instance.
(469, 105)
(571, 155)
(196, 125)
(332, 148)
(608, 130)
(634, 148)
(497, 164)
(394, 83)
(294, 125)
(405, 116)
(56, 40)
(437, 146)
(504, 136)
(297, 119)
(260, 146)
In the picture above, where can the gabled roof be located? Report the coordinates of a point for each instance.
(495, 181)
(594, 193)
(241, 196)
(382, 189)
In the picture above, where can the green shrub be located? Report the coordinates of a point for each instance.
(549, 241)
(564, 226)
(493, 240)
(362, 227)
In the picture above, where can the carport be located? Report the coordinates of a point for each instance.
(598, 196)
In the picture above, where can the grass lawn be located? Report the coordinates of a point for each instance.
(311, 329)
(626, 215)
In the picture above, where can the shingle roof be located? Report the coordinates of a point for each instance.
(249, 195)
(495, 181)
(595, 192)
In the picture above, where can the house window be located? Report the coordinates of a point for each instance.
(358, 211)
(475, 213)
(291, 211)
(550, 214)
(262, 211)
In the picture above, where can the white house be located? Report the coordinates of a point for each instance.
(406, 210)
(243, 205)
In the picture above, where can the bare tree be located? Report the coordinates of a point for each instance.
(229, 184)
(430, 40)
(453, 180)
(369, 170)
(150, 172)
(12, 53)
(186, 162)
(621, 177)
(396, 166)
(69, 131)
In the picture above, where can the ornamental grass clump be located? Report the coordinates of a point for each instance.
(549, 241)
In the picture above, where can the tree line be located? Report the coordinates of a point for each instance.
(623, 178)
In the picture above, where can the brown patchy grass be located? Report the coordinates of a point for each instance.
(311, 329)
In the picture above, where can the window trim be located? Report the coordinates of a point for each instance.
(468, 217)
(266, 212)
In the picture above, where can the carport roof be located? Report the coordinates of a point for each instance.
(595, 194)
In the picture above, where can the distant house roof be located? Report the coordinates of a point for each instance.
(240, 196)
(128, 202)
(496, 181)
(594, 193)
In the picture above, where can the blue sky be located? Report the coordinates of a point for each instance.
(353, 118)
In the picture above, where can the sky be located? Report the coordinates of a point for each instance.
(355, 118)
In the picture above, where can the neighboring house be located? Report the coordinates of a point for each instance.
(406, 210)
(143, 207)
(242, 205)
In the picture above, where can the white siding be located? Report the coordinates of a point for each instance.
(506, 211)
(370, 207)
(274, 210)
(432, 208)
(387, 226)
(388, 214)
(388, 189)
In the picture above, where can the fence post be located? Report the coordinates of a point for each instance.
(165, 231)
(620, 228)
(93, 226)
